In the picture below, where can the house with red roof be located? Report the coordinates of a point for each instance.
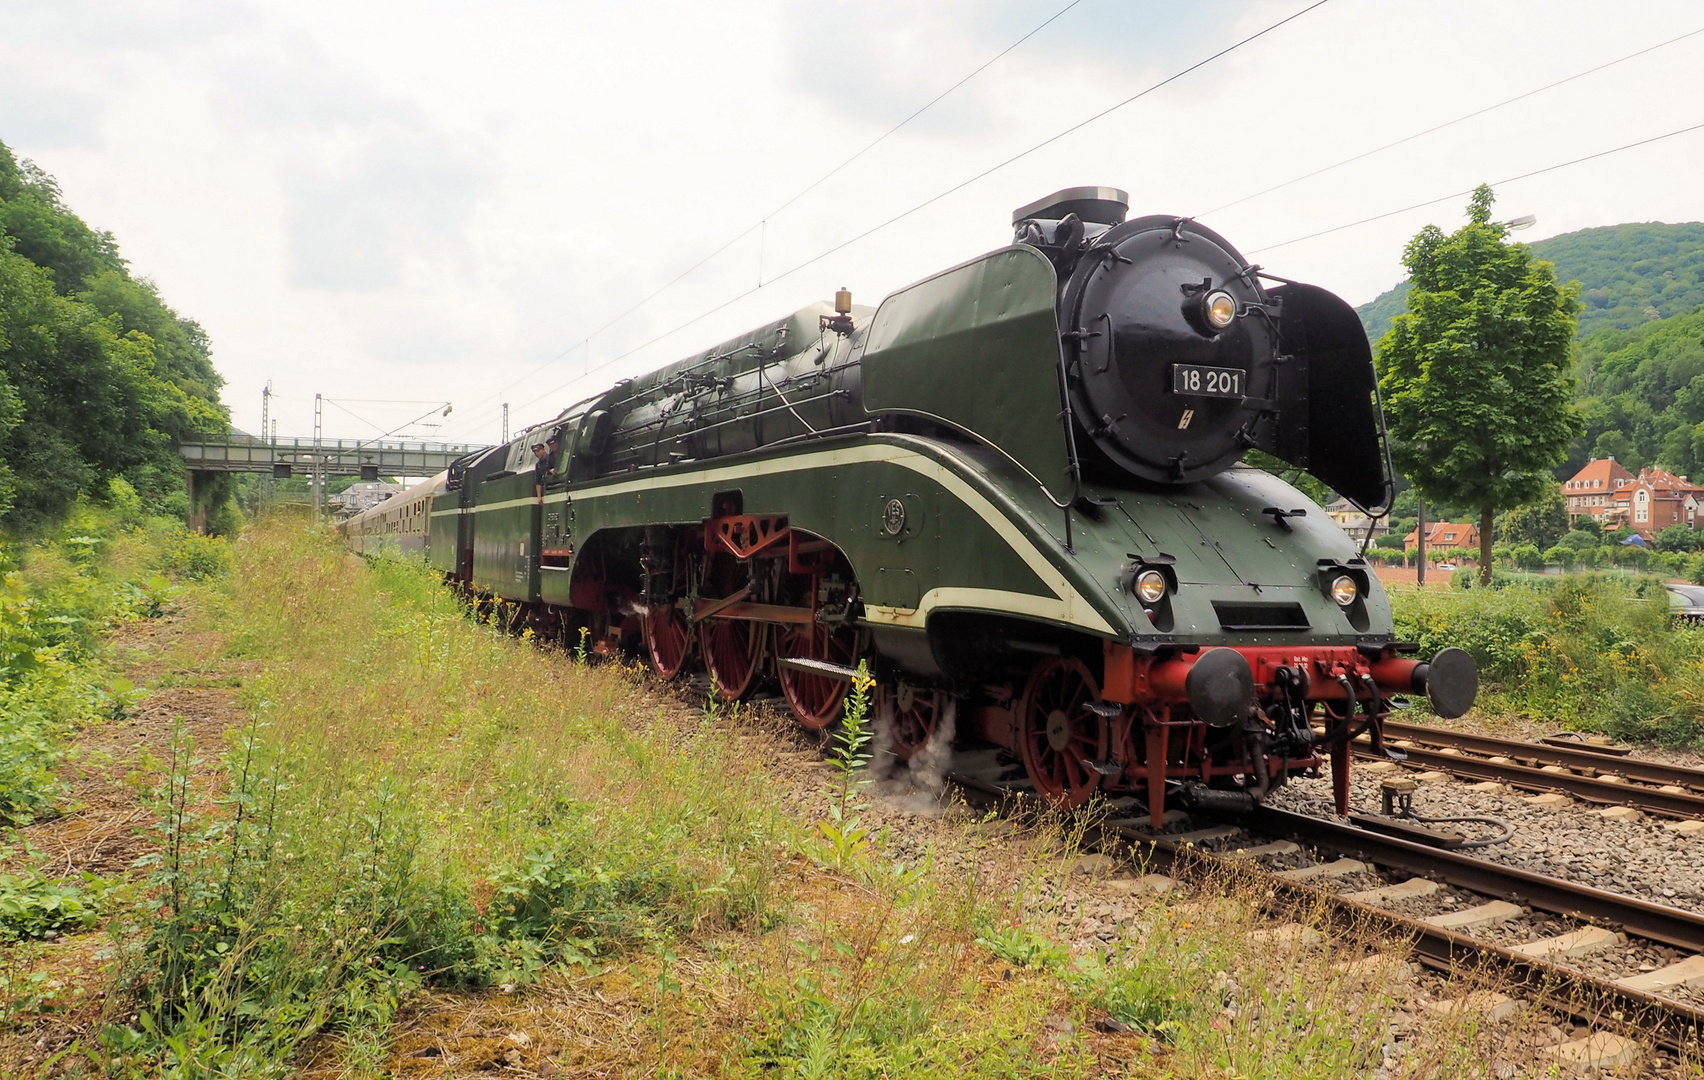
(1591, 492)
(1656, 499)
(1441, 535)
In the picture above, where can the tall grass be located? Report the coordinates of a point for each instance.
(418, 800)
(1598, 652)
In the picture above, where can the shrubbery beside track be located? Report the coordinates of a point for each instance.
(1595, 652)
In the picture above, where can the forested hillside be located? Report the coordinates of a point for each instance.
(1641, 362)
(1629, 275)
(1642, 392)
(99, 378)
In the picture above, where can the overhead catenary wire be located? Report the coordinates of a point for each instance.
(347, 412)
(1469, 191)
(1451, 123)
(336, 404)
(961, 185)
(789, 201)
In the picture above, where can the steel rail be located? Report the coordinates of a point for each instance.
(1597, 1002)
(1657, 922)
(1649, 772)
(1676, 1024)
(1594, 789)
(1590, 999)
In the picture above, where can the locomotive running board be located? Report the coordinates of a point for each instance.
(826, 668)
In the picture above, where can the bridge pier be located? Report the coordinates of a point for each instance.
(196, 519)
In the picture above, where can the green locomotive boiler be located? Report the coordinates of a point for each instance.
(1014, 488)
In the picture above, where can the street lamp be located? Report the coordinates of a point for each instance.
(1525, 221)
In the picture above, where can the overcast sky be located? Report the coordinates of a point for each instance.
(431, 201)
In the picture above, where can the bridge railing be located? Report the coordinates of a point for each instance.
(336, 457)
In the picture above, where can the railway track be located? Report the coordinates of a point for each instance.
(1669, 790)
(1369, 878)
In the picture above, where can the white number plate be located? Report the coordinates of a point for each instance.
(1198, 381)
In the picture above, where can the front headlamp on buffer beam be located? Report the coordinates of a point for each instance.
(1219, 309)
(1344, 590)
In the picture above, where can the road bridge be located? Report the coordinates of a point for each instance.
(368, 459)
(316, 460)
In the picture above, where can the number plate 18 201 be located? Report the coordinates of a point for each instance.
(1198, 381)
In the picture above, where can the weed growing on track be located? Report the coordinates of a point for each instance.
(424, 815)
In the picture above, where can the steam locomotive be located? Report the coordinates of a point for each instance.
(1014, 488)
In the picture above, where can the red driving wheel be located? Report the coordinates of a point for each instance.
(816, 700)
(733, 649)
(911, 716)
(1058, 734)
(668, 638)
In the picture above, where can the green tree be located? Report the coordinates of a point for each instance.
(1680, 538)
(1615, 444)
(1475, 375)
(1541, 522)
(84, 395)
(1526, 556)
(99, 378)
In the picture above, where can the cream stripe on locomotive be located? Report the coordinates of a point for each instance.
(1067, 605)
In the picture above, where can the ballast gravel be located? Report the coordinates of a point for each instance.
(1636, 856)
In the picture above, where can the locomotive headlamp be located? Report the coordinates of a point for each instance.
(1344, 590)
(1149, 586)
(1219, 309)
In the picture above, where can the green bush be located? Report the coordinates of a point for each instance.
(1584, 651)
(195, 557)
(576, 903)
(1526, 556)
(225, 519)
(55, 608)
(32, 906)
(1680, 538)
(1150, 987)
(239, 953)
